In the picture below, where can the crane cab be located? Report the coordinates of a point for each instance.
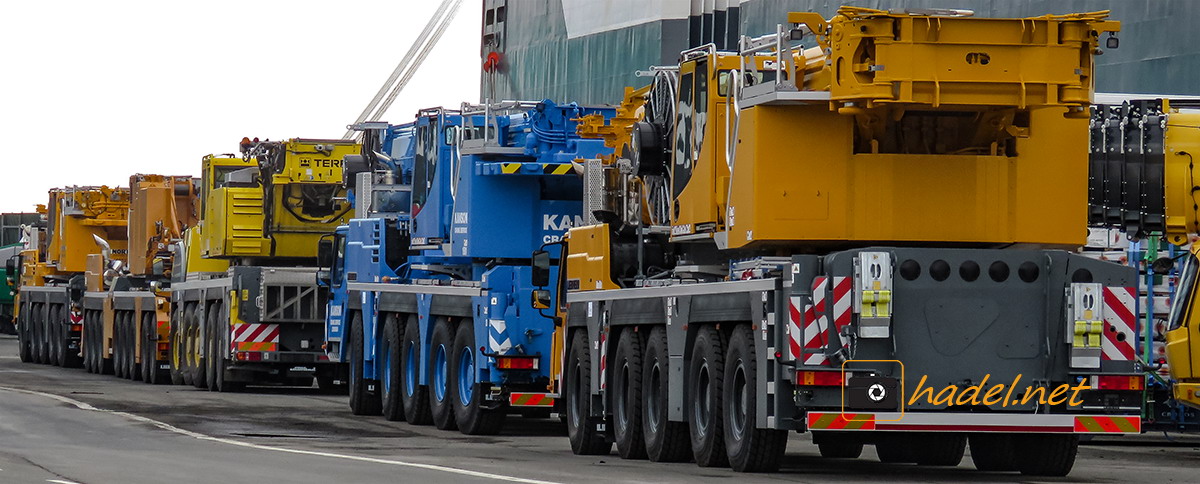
(1183, 335)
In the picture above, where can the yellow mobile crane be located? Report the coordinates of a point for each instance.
(244, 302)
(126, 308)
(804, 236)
(78, 220)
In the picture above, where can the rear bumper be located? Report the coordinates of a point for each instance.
(974, 422)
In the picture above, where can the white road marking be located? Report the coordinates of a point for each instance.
(57, 481)
(166, 426)
(9, 357)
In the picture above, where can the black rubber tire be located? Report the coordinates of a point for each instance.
(107, 365)
(174, 355)
(210, 350)
(186, 369)
(415, 403)
(199, 360)
(941, 449)
(131, 335)
(666, 441)
(219, 350)
(147, 367)
(57, 348)
(118, 344)
(1046, 455)
(41, 348)
(364, 394)
(704, 410)
(473, 417)
(85, 345)
(895, 449)
(389, 382)
(585, 440)
(24, 346)
(748, 448)
(993, 452)
(627, 396)
(442, 340)
(835, 446)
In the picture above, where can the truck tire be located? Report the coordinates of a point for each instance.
(218, 354)
(895, 449)
(363, 401)
(706, 376)
(175, 356)
(941, 449)
(85, 345)
(415, 396)
(197, 350)
(470, 408)
(56, 336)
(183, 336)
(627, 396)
(118, 344)
(835, 446)
(133, 370)
(145, 351)
(585, 440)
(666, 441)
(440, 352)
(43, 339)
(1046, 455)
(748, 448)
(389, 382)
(25, 347)
(993, 452)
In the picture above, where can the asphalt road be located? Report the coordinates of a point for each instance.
(67, 426)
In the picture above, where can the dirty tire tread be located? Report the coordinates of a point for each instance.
(630, 440)
(708, 349)
(993, 452)
(472, 419)
(670, 443)
(443, 412)
(393, 404)
(1046, 455)
(416, 406)
(766, 446)
(582, 435)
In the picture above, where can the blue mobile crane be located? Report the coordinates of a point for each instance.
(430, 284)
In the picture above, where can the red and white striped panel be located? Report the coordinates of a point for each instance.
(603, 360)
(795, 328)
(255, 337)
(842, 289)
(816, 324)
(1120, 323)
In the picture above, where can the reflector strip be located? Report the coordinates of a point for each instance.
(977, 422)
(531, 399)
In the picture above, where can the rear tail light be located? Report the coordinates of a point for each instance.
(819, 378)
(516, 363)
(164, 346)
(249, 356)
(1122, 382)
(76, 327)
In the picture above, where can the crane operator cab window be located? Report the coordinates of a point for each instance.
(424, 164)
(1182, 335)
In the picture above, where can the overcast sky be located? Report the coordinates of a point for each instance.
(94, 91)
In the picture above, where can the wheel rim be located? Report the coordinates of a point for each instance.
(466, 376)
(410, 370)
(701, 408)
(739, 408)
(439, 372)
(651, 396)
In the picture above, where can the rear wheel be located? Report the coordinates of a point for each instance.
(118, 344)
(895, 449)
(133, 370)
(835, 446)
(23, 344)
(706, 375)
(147, 367)
(363, 400)
(219, 350)
(175, 356)
(414, 395)
(57, 348)
(627, 397)
(585, 440)
(941, 449)
(470, 413)
(993, 452)
(749, 449)
(199, 361)
(390, 381)
(1046, 455)
(439, 375)
(666, 441)
(42, 348)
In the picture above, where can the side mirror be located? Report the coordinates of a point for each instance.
(325, 252)
(323, 278)
(541, 269)
(1162, 266)
(540, 299)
